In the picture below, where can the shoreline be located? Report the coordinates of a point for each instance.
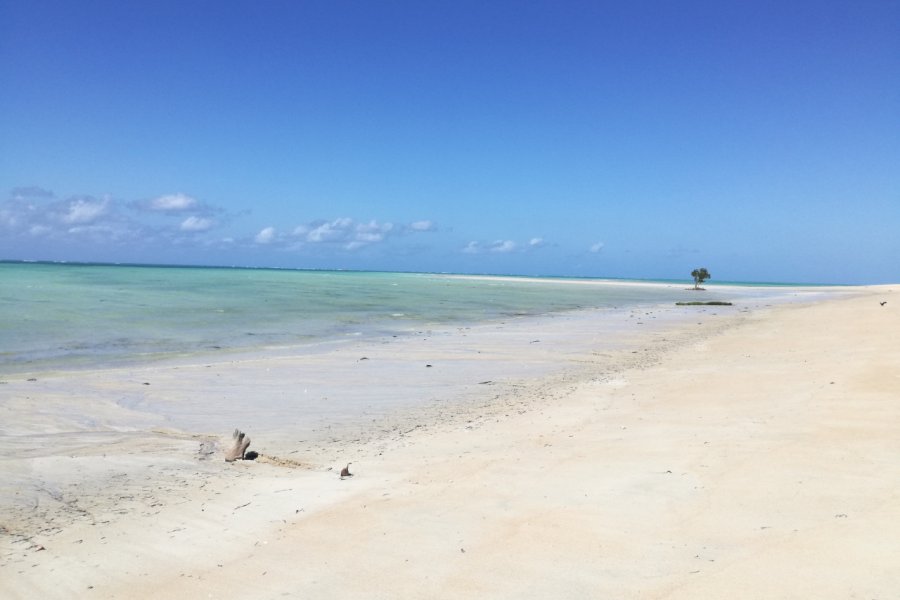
(303, 494)
(662, 283)
(748, 297)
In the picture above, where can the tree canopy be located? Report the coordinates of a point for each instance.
(700, 275)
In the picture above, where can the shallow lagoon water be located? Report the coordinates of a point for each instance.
(63, 316)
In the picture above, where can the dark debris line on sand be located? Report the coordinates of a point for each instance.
(710, 303)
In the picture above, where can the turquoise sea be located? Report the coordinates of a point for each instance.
(62, 316)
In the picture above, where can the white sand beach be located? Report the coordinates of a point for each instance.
(740, 454)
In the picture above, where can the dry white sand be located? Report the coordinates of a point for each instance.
(754, 456)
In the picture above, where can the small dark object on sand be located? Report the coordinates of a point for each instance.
(345, 472)
(251, 455)
(883, 303)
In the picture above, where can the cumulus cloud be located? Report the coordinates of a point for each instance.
(372, 232)
(173, 203)
(179, 206)
(423, 226)
(37, 216)
(195, 223)
(85, 210)
(330, 231)
(597, 247)
(33, 213)
(503, 246)
(265, 236)
(349, 234)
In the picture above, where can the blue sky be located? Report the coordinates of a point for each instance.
(624, 139)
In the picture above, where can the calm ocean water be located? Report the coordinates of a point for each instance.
(60, 316)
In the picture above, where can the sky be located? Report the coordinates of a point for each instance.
(643, 139)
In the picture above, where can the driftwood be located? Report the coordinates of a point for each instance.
(239, 446)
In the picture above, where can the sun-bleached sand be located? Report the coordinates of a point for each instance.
(740, 454)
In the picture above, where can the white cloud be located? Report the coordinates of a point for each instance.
(333, 231)
(194, 223)
(596, 248)
(423, 226)
(35, 214)
(496, 247)
(371, 233)
(265, 236)
(503, 246)
(374, 226)
(346, 232)
(173, 203)
(85, 210)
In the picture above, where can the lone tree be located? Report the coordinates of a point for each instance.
(700, 275)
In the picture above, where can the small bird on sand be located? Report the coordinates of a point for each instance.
(345, 472)
(883, 303)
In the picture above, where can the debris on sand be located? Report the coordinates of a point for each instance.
(239, 446)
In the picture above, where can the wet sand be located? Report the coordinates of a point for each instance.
(738, 453)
